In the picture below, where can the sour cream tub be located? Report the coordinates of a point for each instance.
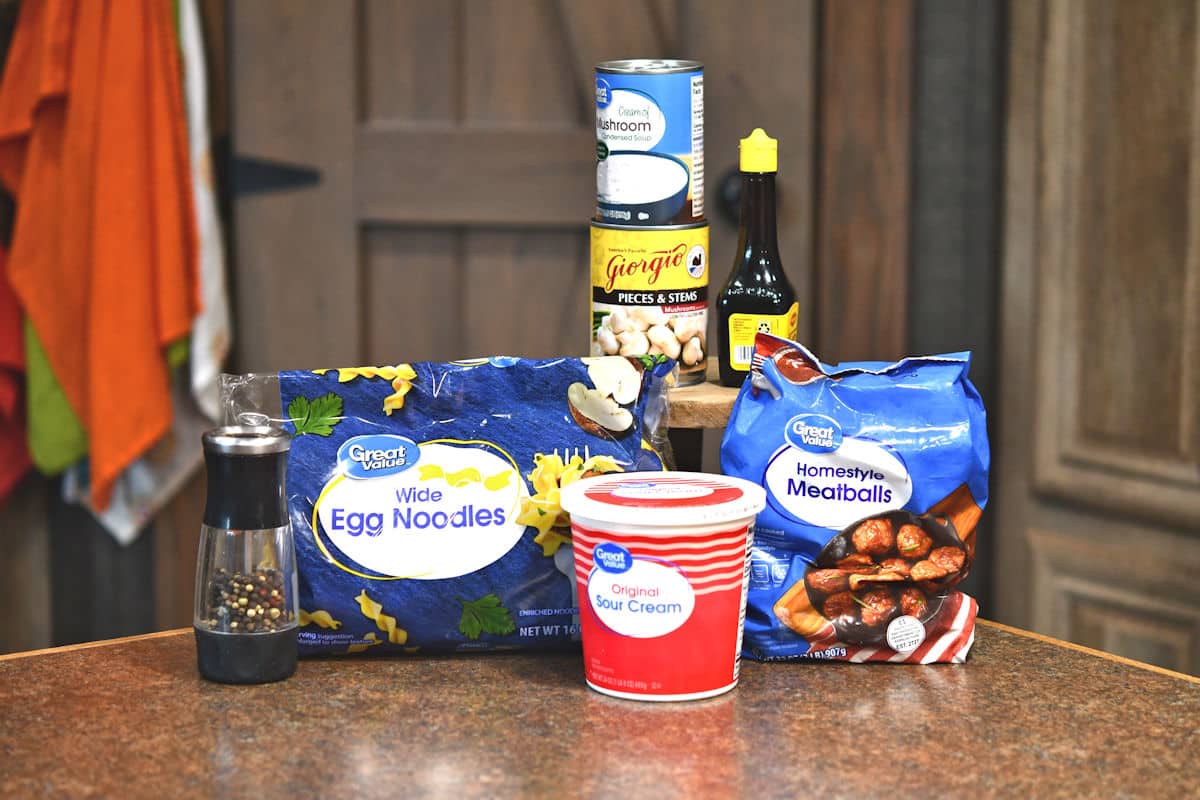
(662, 561)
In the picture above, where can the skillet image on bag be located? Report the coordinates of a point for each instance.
(888, 565)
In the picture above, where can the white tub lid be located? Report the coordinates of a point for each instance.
(663, 498)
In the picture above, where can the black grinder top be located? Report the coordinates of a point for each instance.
(246, 466)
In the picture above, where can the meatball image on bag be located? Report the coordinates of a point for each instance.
(865, 562)
(876, 476)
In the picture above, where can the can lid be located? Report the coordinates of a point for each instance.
(663, 498)
(651, 66)
(758, 152)
(246, 440)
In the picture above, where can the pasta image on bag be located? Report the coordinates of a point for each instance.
(876, 476)
(424, 497)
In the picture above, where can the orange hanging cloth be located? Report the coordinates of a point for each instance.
(93, 145)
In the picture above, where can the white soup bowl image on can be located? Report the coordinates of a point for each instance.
(648, 186)
(662, 564)
(649, 142)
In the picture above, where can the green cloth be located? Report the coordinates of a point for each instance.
(177, 352)
(56, 436)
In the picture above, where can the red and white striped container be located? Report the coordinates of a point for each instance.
(662, 561)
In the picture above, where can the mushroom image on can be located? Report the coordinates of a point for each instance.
(650, 294)
(649, 141)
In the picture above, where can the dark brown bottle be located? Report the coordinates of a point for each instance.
(758, 296)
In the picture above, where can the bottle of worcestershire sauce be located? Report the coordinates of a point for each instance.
(757, 296)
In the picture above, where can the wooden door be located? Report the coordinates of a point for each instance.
(1099, 452)
(455, 150)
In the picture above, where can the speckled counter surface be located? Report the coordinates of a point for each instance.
(1025, 717)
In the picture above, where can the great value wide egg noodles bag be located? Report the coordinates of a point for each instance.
(876, 476)
(424, 497)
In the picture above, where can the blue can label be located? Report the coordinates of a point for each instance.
(650, 147)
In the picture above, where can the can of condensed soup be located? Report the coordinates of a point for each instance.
(649, 141)
(650, 294)
(662, 562)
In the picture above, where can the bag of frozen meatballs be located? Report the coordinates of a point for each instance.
(876, 476)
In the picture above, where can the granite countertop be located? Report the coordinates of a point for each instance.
(1025, 716)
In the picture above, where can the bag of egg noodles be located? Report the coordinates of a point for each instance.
(876, 476)
(424, 497)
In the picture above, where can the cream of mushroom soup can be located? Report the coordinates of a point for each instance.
(650, 294)
(649, 141)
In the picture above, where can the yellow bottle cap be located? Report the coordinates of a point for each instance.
(758, 152)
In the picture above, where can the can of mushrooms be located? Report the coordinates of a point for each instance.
(650, 293)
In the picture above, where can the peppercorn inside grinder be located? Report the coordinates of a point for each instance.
(246, 609)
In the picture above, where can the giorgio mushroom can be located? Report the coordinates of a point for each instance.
(650, 294)
(649, 141)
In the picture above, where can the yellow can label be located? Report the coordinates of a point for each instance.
(744, 327)
(650, 294)
(650, 267)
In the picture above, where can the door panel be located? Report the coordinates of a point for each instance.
(1120, 587)
(442, 175)
(517, 66)
(410, 270)
(456, 150)
(863, 240)
(1116, 424)
(457, 159)
(526, 293)
(1099, 453)
(296, 282)
(409, 61)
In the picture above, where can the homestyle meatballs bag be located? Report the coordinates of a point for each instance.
(424, 497)
(876, 475)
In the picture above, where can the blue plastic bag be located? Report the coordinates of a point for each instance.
(876, 475)
(423, 497)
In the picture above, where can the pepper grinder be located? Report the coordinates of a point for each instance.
(246, 609)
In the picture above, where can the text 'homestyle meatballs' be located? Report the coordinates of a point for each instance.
(874, 537)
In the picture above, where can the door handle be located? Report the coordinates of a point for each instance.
(729, 196)
(260, 175)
